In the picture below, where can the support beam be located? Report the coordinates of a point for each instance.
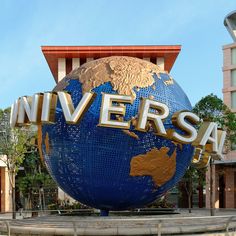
(61, 69)
(75, 63)
(161, 62)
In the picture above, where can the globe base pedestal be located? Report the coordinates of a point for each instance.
(104, 212)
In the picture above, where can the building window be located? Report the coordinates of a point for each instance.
(233, 77)
(233, 56)
(233, 100)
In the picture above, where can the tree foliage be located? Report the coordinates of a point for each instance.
(34, 181)
(212, 108)
(13, 146)
(18, 148)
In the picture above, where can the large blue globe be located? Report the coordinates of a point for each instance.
(94, 164)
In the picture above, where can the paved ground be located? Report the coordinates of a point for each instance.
(199, 221)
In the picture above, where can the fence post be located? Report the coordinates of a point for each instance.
(159, 228)
(75, 229)
(8, 228)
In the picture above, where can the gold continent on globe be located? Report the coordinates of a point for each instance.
(155, 163)
(124, 73)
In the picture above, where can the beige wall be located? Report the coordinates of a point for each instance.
(227, 67)
(6, 203)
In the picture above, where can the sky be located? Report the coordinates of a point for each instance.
(26, 25)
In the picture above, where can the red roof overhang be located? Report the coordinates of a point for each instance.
(52, 53)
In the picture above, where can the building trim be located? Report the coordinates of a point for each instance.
(232, 45)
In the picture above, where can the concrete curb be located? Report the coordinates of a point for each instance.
(23, 230)
(75, 226)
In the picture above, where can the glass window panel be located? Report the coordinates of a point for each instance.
(233, 56)
(233, 100)
(233, 77)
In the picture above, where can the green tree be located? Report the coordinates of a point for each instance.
(33, 181)
(193, 179)
(212, 108)
(12, 150)
(188, 181)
